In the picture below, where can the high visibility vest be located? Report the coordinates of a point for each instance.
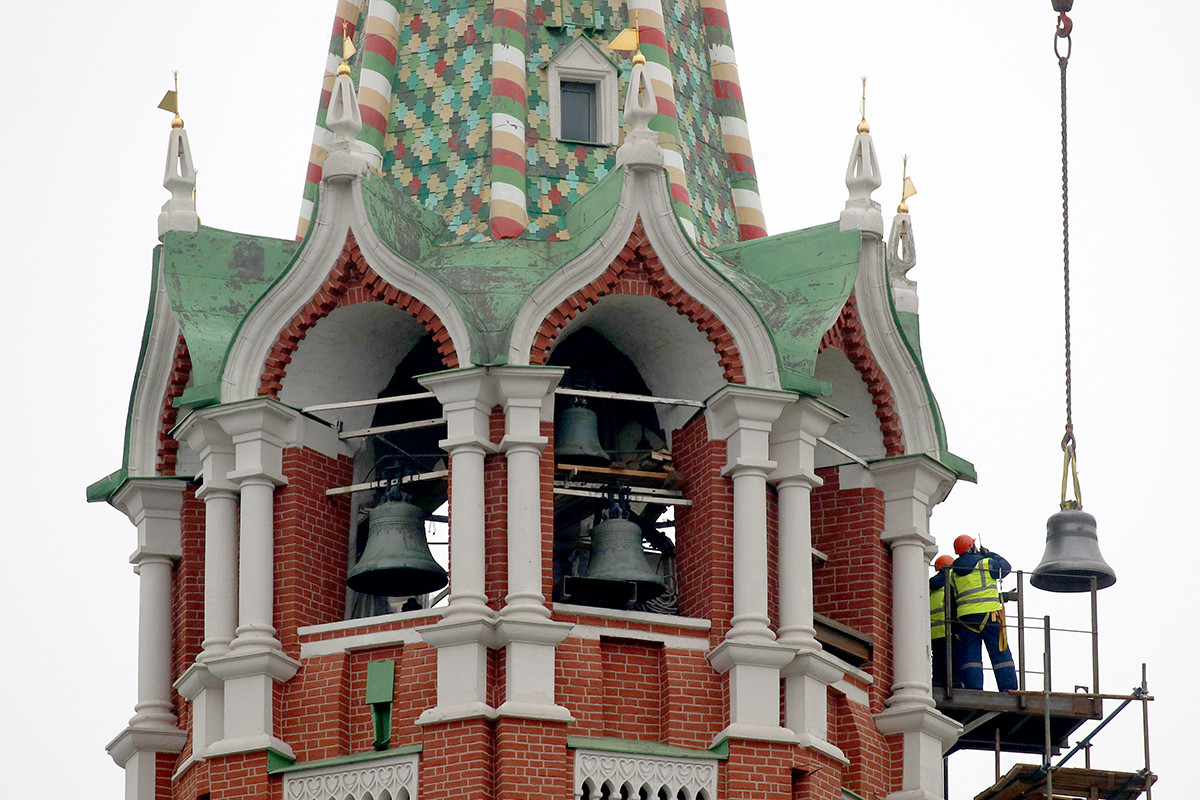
(976, 592)
(937, 613)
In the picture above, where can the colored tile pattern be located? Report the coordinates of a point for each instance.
(727, 89)
(438, 141)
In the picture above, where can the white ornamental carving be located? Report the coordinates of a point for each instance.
(645, 776)
(390, 779)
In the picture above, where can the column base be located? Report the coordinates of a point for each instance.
(529, 662)
(134, 740)
(756, 733)
(754, 676)
(250, 744)
(928, 734)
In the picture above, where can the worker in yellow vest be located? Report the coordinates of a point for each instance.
(979, 616)
(937, 618)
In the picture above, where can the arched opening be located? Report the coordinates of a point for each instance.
(363, 352)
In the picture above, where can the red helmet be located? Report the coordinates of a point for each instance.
(941, 562)
(963, 543)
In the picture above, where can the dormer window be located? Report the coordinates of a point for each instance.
(582, 94)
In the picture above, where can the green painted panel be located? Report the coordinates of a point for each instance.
(381, 680)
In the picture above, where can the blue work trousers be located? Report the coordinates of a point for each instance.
(968, 654)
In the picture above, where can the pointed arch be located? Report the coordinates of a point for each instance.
(637, 270)
(848, 336)
(350, 281)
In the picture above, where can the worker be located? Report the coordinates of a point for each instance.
(937, 618)
(979, 614)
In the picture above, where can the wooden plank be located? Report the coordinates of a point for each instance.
(634, 398)
(402, 426)
(619, 471)
(642, 496)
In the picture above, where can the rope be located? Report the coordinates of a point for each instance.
(1063, 32)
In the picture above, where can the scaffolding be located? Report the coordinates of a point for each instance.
(1041, 721)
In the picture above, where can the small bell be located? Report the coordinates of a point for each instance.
(1072, 556)
(577, 438)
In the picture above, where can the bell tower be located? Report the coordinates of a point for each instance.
(534, 467)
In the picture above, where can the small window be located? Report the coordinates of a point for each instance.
(579, 111)
(582, 94)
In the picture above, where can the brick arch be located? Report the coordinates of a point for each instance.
(848, 336)
(636, 270)
(350, 281)
(181, 372)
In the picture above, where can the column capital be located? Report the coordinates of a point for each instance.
(467, 397)
(742, 417)
(212, 444)
(527, 394)
(794, 435)
(259, 429)
(911, 486)
(153, 505)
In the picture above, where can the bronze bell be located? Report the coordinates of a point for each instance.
(577, 438)
(618, 572)
(396, 561)
(1072, 556)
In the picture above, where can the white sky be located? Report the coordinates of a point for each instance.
(968, 90)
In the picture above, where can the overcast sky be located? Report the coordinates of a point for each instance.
(968, 90)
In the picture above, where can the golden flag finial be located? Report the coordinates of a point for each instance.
(170, 102)
(628, 41)
(863, 127)
(348, 51)
(906, 191)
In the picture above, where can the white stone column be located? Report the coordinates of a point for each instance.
(911, 486)
(198, 684)
(808, 676)
(524, 627)
(742, 417)
(259, 430)
(466, 629)
(153, 505)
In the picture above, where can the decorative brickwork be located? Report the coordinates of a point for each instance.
(636, 270)
(350, 281)
(181, 372)
(848, 336)
(495, 517)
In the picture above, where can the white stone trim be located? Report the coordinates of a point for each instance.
(674, 642)
(341, 208)
(581, 61)
(645, 194)
(151, 381)
(395, 776)
(358, 641)
(597, 767)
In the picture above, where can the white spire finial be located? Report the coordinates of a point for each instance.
(344, 159)
(641, 146)
(902, 257)
(862, 178)
(179, 176)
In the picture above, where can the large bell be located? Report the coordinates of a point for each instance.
(1072, 556)
(577, 439)
(396, 561)
(618, 572)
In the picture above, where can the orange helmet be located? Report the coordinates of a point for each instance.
(963, 543)
(941, 562)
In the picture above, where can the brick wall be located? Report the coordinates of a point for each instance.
(532, 760)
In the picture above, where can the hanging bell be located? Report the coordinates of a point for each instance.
(618, 572)
(1072, 556)
(577, 438)
(396, 561)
